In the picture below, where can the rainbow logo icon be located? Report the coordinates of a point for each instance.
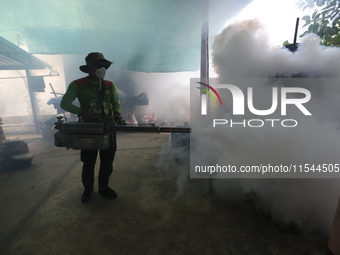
(204, 97)
(210, 94)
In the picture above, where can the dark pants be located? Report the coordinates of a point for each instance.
(89, 158)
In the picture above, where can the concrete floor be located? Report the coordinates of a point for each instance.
(41, 212)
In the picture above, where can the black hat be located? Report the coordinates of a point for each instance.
(92, 58)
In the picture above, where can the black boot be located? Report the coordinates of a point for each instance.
(108, 192)
(86, 195)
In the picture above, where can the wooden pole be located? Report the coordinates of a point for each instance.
(33, 101)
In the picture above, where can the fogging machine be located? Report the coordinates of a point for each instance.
(96, 136)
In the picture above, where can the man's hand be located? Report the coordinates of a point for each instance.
(86, 116)
(118, 118)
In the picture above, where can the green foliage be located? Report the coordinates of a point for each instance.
(286, 42)
(325, 20)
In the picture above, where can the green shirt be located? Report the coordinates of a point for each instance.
(88, 94)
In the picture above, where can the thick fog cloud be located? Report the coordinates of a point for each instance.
(244, 50)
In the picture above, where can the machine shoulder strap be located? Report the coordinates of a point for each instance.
(108, 83)
(80, 81)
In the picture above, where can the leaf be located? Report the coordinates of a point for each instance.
(285, 42)
(333, 16)
(336, 21)
(305, 7)
(314, 13)
(316, 28)
(300, 5)
(306, 17)
(330, 31)
(319, 2)
(333, 3)
(310, 28)
(302, 35)
(335, 40)
(327, 8)
(307, 23)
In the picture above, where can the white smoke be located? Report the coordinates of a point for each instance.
(168, 93)
(243, 50)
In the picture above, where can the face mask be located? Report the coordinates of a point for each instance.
(100, 73)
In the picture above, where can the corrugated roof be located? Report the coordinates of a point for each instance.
(13, 57)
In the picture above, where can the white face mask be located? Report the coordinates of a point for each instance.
(100, 73)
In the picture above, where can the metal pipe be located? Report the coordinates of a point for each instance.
(295, 34)
(205, 42)
(96, 136)
(155, 129)
(78, 127)
(204, 74)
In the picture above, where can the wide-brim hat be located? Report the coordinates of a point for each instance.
(93, 58)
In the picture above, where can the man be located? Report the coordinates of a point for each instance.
(99, 102)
